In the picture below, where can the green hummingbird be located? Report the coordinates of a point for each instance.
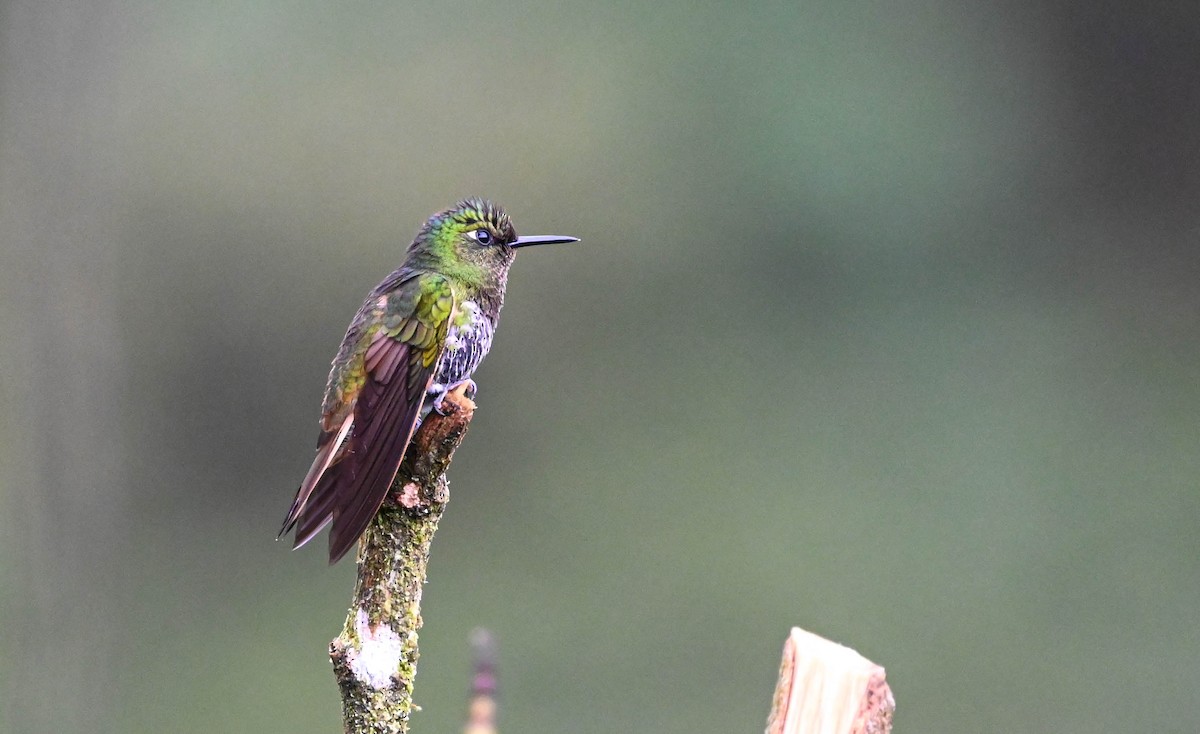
(421, 333)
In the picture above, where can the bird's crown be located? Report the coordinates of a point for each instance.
(472, 214)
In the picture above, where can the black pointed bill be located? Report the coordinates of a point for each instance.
(543, 239)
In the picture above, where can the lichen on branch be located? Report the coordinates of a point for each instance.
(375, 656)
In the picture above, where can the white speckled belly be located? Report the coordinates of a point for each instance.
(466, 346)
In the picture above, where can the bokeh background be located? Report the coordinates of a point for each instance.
(884, 323)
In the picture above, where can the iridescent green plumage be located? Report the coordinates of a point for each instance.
(421, 332)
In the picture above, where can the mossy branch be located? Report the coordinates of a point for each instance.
(375, 656)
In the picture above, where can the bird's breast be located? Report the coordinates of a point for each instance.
(467, 342)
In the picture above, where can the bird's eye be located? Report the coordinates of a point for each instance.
(483, 237)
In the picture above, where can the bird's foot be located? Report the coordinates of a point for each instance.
(467, 387)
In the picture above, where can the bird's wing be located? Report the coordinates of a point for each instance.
(371, 409)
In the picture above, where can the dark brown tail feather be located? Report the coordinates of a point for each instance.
(384, 422)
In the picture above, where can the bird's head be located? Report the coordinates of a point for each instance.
(474, 240)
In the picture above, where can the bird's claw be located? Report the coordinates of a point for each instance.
(468, 388)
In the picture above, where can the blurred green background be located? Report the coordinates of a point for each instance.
(884, 324)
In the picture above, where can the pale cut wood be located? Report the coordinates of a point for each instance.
(826, 688)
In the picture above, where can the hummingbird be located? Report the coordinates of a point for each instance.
(420, 334)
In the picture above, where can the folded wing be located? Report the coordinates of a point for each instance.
(357, 461)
